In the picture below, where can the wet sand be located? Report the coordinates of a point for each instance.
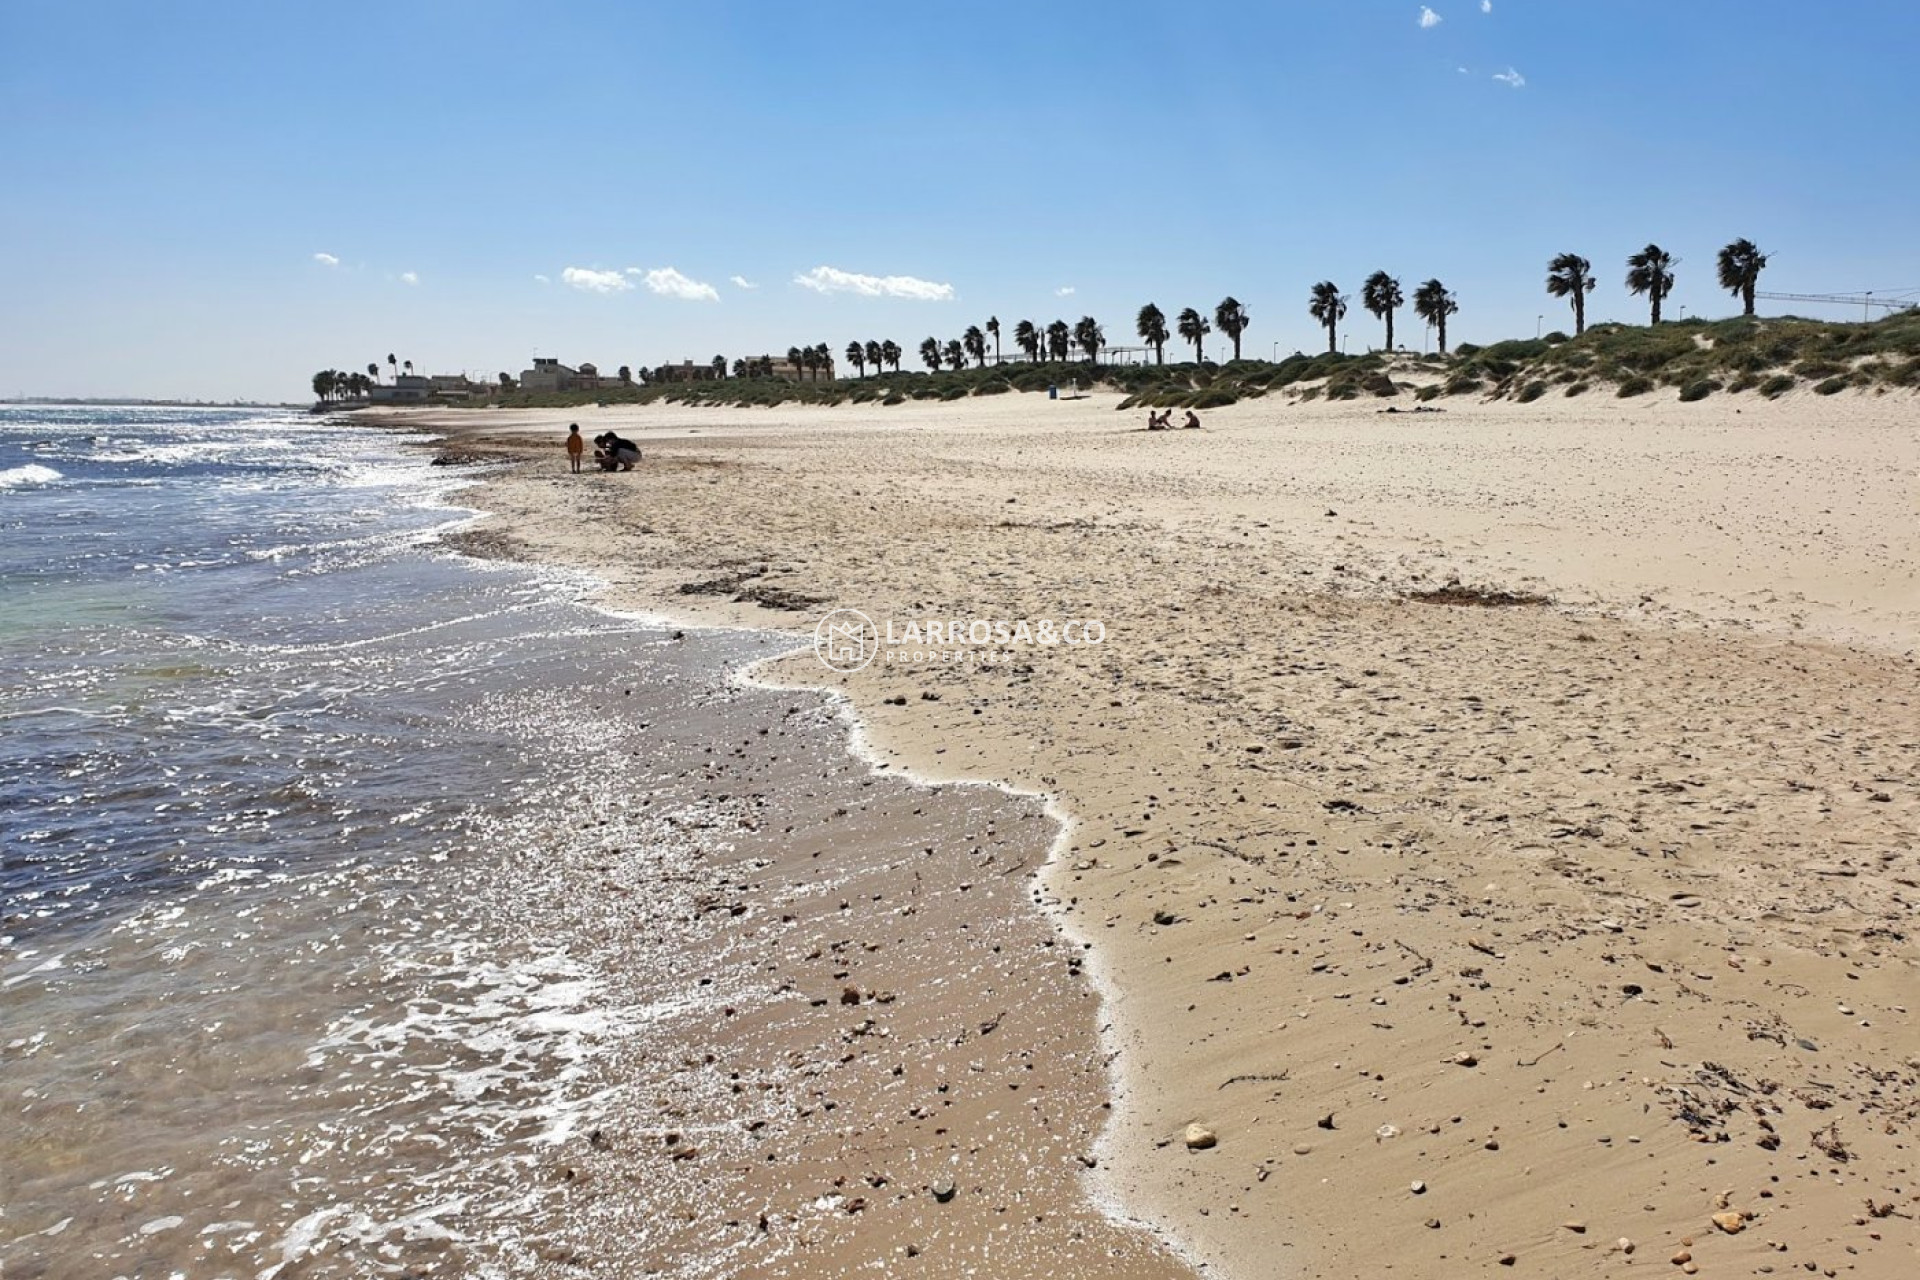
(1521, 940)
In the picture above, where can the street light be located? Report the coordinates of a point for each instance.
(1539, 324)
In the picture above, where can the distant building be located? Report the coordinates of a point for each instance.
(686, 371)
(784, 368)
(405, 388)
(548, 374)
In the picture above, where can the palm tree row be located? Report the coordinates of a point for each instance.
(1651, 272)
(332, 384)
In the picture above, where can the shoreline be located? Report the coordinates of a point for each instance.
(1179, 1188)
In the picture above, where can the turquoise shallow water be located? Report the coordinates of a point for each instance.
(282, 990)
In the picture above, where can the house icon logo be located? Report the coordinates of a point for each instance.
(846, 640)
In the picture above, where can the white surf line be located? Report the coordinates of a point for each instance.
(1097, 1183)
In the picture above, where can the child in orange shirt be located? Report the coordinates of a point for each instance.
(575, 447)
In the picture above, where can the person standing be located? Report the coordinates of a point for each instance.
(575, 447)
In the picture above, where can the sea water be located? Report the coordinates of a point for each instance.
(283, 988)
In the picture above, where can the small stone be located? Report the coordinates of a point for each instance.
(1733, 1222)
(1690, 1268)
(943, 1190)
(1433, 1224)
(1387, 1131)
(1302, 1149)
(1464, 1059)
(1578, 1228)
(1418, 1188)
(1326, 1121)
(1624, 1245)
(849, 995)
(1508, 1259)
(1200, 1138)
(1682, 1257)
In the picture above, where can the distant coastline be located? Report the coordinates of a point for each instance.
(101, 402)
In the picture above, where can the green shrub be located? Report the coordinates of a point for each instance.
(1467, 350)
(1531, 392)
(1212, 398)
(1698, 389)
(894, 397)
(1432, 391)
(1577, 389)
(1635, 386)
(1778, 385)
(1461, 385)
(1745, 382)
(1813, 369)
(1555, 338)
(1832, 385)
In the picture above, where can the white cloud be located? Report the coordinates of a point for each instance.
(834, 280)
(1429, 19)
(409, 277)
(1064, 291)
(667, 281)
(542, 279)
(591, 281)
(1486, 6)
(326, 259)
(741, 282)
(1511, 78)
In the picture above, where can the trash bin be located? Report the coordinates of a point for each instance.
(1053, 392)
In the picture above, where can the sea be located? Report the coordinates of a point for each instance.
(295, 807)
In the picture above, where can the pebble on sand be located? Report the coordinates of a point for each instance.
(1200, 1138)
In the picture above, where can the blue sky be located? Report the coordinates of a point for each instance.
(173, 173)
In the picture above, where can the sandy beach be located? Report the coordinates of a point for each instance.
(1551, 936)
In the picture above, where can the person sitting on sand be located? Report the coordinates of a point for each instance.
(575, 447)
(1157, 421)
(1193, 420)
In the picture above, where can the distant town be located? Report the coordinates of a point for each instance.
(549, 375)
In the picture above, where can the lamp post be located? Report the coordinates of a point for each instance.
(1539, 325)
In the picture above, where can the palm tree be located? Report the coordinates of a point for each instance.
(797, 360)
(1058, 336)
(373, 370)
(393, 364)
(857, 357)
(890, 352)
(1194, 328)
(993, 327)
(976, 344)
(1650, 271)
(1232, 319)
(824, 357)
(1432, 303)
(1329, 307)
(743, 368)
(875, 356)
(626, 372)
(810, 360)
(1027, 338)
(1740, 265)
(408, 365)
(930, 353)
(1151, 325)
(1088, 337)
(1571, 276)
(323, 384)
(1381, 295)
(955, 353)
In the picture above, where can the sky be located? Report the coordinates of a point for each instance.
(214, 200)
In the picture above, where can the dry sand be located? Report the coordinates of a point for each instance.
(1485, 939)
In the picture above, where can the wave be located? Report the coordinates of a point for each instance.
(31, 474)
